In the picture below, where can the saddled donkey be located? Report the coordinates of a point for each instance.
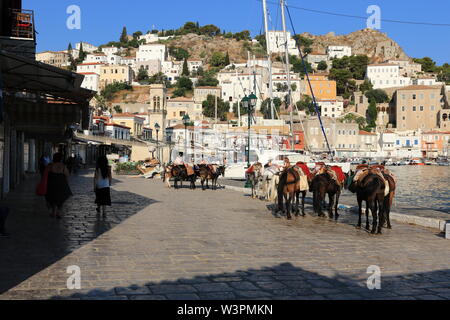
(292, 182)
(271, 178)
(321, 185)
(371, 189)
(210, 172)
(180, 173)
(254, 176)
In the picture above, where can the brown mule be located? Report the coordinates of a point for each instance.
(321, 185)
(288, 188)
(371, 188)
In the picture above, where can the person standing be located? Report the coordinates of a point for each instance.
(58, 190)
(102, 184)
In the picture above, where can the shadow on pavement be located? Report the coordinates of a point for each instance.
(280, 282)
(37, 241)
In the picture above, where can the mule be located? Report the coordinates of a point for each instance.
(289, 187)
(254, 176)
(206, 173)
(180, 174)
(371, 189)
(321, 185)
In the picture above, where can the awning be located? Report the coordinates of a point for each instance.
(20, 74)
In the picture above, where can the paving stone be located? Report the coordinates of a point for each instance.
(213, 287)
(216, 245)
(183, 296)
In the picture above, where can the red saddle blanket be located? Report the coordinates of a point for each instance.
(250, 170)
(340, 174)
(304, 168)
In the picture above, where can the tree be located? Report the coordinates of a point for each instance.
(243, 35)
(366, 86)
(342, 78)
(190, 27)
(117, 109)
(137, 34)
(304, 43)
(159, 78)
(428, 65)
(217, 60)
(111, 89)
(179, 92)
(322, 66)
(265, 107)
(227, 59)
(208, 79)
(184, 83)
(69, 48)
(372, 115)
(210, 30)
(209, 108)
(352, 118)
(306, 104)
(124, 35)
(377, 96)
(262, 40)
(185, 68)
(142, 74)
(178, 53)
(82, 55)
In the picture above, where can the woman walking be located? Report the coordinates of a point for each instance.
(102, 183)
(58, 190)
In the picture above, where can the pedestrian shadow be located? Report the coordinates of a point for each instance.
(280, 282)
(38, 241)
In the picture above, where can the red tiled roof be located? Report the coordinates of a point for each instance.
(365, 133)
(126, 115)
(90, 64)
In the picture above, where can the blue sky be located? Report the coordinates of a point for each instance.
(102, 20)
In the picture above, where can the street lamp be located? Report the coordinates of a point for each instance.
(250, 104)
(186, 122)
(157, 128)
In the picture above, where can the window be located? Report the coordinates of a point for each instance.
(414, 97)
(414, 108)
(421, 108)
(403, 109)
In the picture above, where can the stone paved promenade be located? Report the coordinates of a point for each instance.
(166, 244)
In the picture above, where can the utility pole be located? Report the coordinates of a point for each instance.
(288, 71)
(269, 58)
(215, 105)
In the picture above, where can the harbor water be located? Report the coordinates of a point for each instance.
(423, 186)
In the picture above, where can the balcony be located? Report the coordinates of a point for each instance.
(18, 34)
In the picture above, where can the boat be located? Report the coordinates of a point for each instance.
(416, 162)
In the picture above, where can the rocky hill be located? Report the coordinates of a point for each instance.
(376, 45)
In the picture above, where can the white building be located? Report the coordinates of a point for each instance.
(149, 37)
(235, 86)
(87, 47)
(114, 59)
(117, 131)
(94, 67)
(338, 52)
(407, 68)
(386, 75)
(277, 43)
(194, 65)
(401, 144)
(331, 108)
(129, 61)
(151, 52)
(426, 81)
(91, 81)
(110, 50)
(172, 70)
(95, 58)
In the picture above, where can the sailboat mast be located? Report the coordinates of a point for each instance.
(269, 59)
(288, 72)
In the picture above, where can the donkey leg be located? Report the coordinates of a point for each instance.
(330, 209)
(288, 205)
(297, 203)
(303, 203)
(381, 214)
(372, 205)
(367, 216)
(336, 205)
(360, 212)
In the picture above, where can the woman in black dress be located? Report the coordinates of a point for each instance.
(102, 183)
(58, 190)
